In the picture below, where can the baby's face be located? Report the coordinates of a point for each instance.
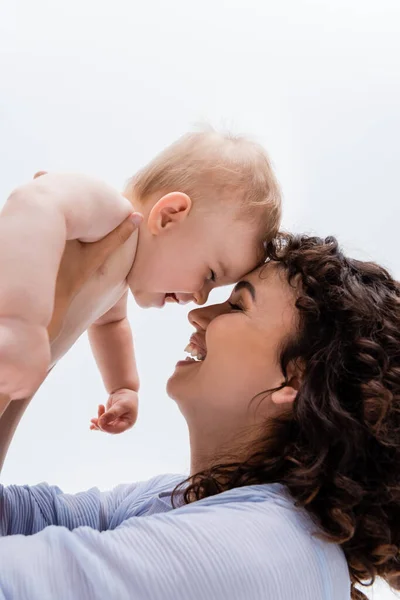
(184, 264)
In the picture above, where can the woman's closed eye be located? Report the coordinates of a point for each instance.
(235, 306)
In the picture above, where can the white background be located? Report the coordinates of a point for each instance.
(100, 87)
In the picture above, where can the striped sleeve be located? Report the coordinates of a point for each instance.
(178, 555)
(27, 510)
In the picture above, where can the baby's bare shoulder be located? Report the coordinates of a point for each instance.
(91, 207)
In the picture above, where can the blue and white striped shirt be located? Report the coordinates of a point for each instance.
(250, 543)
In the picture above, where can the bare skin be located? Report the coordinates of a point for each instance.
(80, 262)
(179, 256)
(40, 220)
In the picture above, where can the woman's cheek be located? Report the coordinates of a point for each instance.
(223, 330)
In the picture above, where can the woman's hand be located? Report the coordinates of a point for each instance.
(79, 262)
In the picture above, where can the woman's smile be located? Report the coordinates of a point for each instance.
(196, 349)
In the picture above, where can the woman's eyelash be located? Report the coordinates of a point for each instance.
(234, 306)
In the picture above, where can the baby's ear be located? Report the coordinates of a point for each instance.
(171, 209)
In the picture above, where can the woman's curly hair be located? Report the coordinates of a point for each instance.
(339, 452)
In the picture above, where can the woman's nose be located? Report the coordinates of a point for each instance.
(200, 318)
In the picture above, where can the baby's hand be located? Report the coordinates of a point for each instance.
(119, 414)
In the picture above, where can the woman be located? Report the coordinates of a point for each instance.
(294, 422)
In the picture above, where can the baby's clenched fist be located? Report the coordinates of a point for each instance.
(119, 414)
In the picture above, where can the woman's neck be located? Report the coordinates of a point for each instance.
(220, 447)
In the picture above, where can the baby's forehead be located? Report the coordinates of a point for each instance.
(240, 256)
(249, 236)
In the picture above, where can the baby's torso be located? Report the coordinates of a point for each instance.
(95, 298)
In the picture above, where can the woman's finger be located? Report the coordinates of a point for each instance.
(97, 252)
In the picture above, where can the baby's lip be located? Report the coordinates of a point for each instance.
(173, 297)
(170, 298)
(183, 300)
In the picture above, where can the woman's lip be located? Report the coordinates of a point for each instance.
(184, 363)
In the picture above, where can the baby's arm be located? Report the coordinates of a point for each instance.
(35, 223)
(112, 345)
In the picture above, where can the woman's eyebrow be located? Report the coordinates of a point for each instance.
(246, 285)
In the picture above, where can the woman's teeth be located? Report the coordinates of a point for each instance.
(194, 352)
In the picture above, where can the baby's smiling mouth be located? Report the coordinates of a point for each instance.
(178, 297)
(170, 297)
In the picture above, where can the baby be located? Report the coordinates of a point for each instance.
(209, 202)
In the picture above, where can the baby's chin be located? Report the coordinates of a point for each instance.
(149, 299)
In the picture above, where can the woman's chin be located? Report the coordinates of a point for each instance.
(181, 379)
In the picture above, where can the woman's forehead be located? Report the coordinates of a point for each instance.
(266, 273)
(271, 279)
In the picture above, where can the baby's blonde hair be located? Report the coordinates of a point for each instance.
(211, 165)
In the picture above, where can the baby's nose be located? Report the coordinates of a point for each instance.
(201, 297)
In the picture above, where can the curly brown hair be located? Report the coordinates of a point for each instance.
(339, 450)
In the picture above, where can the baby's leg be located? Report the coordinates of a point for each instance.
(32, 238)
(24, 356)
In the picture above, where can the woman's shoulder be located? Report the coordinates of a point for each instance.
(257, 526)
(158, 484)
(143, 497)
(264, 521)
(271, 507)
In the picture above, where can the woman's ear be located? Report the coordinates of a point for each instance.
(171, 209)
(288, 393)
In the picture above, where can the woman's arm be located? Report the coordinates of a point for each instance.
(211, 550)
(26, 510)
(182, 554)
(4, 402)
(9, 422)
